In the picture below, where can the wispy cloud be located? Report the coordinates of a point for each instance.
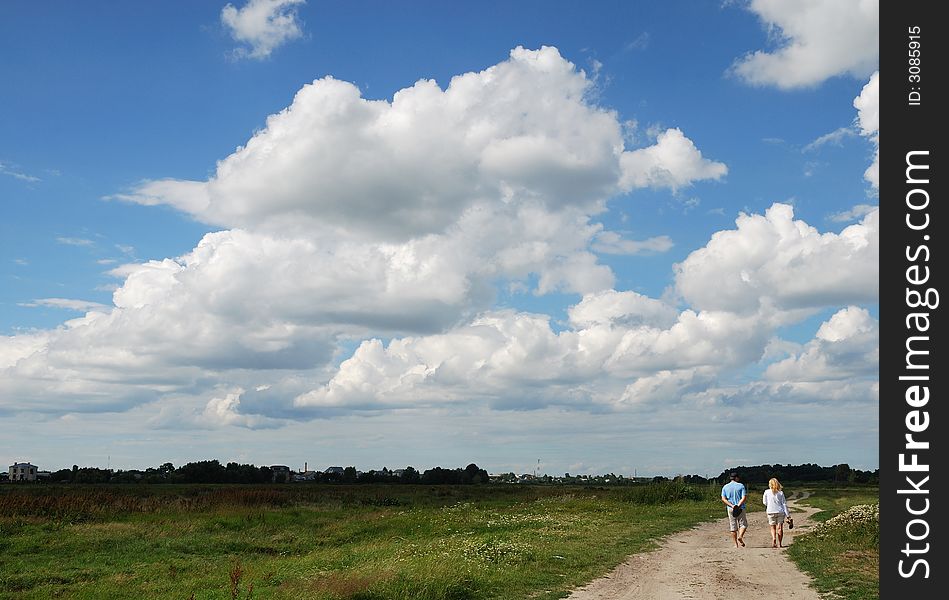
(834, 138)
(75, 241)
(610, 242)
(641, 42)
(65, 303)
(854, 214)
(13, 171)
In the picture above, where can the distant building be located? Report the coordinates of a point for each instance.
(281, 473)
(22, 472)
(335, 470)
(305, 476)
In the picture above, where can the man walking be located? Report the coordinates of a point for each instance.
(733, 496)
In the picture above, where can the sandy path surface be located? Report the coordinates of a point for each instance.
(703, 563)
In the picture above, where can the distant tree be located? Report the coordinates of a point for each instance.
(807, 472)
(474, 474)
(842, 472)
(91, 475)
(62, 475)
(410, 475)
(203, 471)
(131, 476)
(349, 475)
(368, 477)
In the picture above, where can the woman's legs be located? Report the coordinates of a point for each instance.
(780, 535)
(774, 536)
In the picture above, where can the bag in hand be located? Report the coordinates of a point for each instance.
(790, 523)
(736, 510)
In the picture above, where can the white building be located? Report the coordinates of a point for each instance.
(23, 472)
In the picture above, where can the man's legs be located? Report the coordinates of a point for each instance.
(741, 535)
(733, 526)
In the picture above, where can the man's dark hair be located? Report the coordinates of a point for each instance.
(733, 476)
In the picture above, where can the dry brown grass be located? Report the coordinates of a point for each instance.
(344, 585)
(861, 561)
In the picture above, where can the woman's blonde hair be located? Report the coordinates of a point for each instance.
(775, 485)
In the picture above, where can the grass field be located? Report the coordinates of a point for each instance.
(843, 554)
(329, 542)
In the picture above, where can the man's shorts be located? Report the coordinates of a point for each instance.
(736, 523)
(775, 518)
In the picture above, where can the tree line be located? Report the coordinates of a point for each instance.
(806, 473)
(212, 471)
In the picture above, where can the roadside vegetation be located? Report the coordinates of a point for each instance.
(842, 552)
(330, 542)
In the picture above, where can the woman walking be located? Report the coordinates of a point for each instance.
(777, 509)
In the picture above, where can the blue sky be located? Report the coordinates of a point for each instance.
(547, 251)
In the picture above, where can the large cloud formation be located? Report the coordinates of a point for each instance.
(744, 285)
(348, 218)
(364, 243)
(522, 131)
(817, 39)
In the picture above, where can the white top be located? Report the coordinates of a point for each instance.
(775, 502)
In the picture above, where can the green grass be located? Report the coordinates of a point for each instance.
(329, 542)
(844, 558)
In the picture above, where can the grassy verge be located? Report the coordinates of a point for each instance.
(842, 553)
(330, 542)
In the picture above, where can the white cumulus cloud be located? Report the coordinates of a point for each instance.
(673, 162)
(845, 347)
(264, 25)
(773, 260)
(868, 119)
(346, 219)
(522, 131)
(815, 40)
(517, 360)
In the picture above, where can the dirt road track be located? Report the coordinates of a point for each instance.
(703, 564)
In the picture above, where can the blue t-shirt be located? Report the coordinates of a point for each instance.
(733, 492)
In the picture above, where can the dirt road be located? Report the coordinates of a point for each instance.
(702, 563)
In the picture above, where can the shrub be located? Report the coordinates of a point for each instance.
(666, 492)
